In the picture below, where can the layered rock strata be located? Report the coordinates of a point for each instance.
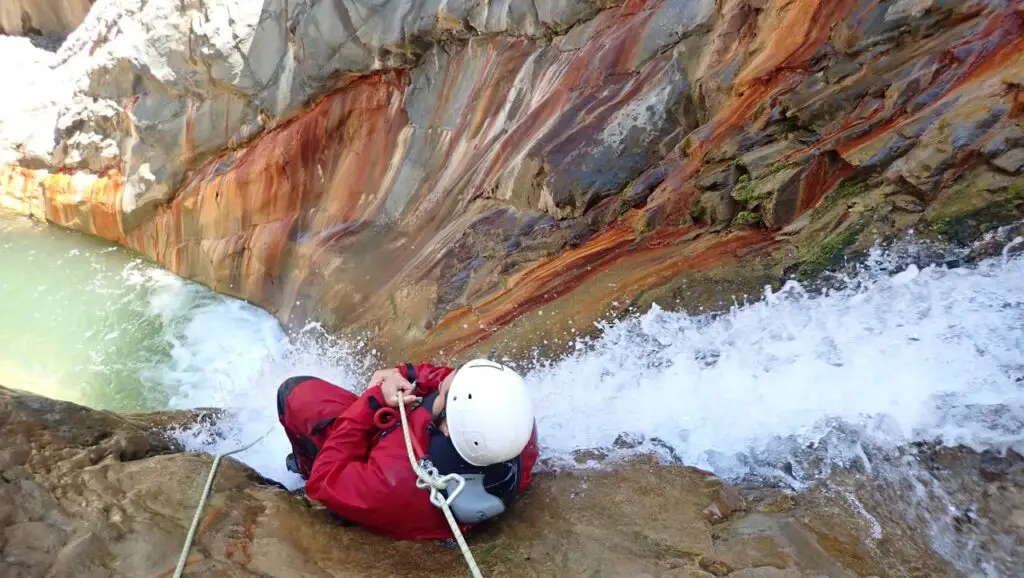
(447, 179)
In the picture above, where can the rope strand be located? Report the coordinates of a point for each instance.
(427, 479)
(430, 479)
(202, 503)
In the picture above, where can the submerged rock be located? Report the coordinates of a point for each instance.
(89, 493)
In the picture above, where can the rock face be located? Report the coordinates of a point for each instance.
(451, 176)
(101, 495)
(42, 17)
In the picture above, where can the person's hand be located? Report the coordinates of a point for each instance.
(446, 384)
(391, 383)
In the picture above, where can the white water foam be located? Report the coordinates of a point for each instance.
(246, 384)
(924, 354)
(919, 355)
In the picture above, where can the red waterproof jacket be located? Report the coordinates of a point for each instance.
(366, 478)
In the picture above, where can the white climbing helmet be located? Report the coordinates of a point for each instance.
(489, 413)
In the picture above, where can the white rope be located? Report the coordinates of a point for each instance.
(429, 478)
(202, 503)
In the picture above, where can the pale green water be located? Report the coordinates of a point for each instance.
(87, 321)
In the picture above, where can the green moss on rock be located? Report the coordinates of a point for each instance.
(775, 169)
(699, 213)
(830, 252)
(747, 218)
(749, 193)
(845, 191)
(977, 204)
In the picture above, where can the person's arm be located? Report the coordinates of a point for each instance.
(344, 478)
(428, 377)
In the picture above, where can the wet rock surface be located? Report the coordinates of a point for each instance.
(964, 504)
(458, 178)
(89, 493)
(42, 17)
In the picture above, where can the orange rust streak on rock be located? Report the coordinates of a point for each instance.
(77, 200)
(542, 283)
(718, 252)
(1017, 104)
(660, 238)
(106, 208)
(526, 129)
(22, 186)
(558, 277)
(996, 62)
(806, 26)
(248, 534)
(818, 181)
(853, 144)
(735, 113)
(630, 7)
(209, 517)
(231, 222)
(733, 116)
(616, 36)
(491, 100)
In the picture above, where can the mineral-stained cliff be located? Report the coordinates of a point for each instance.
(451, 175)
(86, 494)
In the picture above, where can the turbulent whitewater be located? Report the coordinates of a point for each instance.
(919, 354)
(898, 354)
(932, 354)
(781, 391)
(769, 391)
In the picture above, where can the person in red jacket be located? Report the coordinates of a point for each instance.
(477, 421)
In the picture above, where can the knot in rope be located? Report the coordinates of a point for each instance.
(430, 478)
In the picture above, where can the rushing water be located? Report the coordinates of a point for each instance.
(901, 354)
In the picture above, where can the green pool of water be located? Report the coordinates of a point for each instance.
(84, 320)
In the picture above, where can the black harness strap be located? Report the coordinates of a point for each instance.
(427, 404)
(321, 425)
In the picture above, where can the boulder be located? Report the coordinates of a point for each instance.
(1011, 161)
(942, 145)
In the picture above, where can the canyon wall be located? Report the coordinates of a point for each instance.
(449, 177)
(42, 17)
